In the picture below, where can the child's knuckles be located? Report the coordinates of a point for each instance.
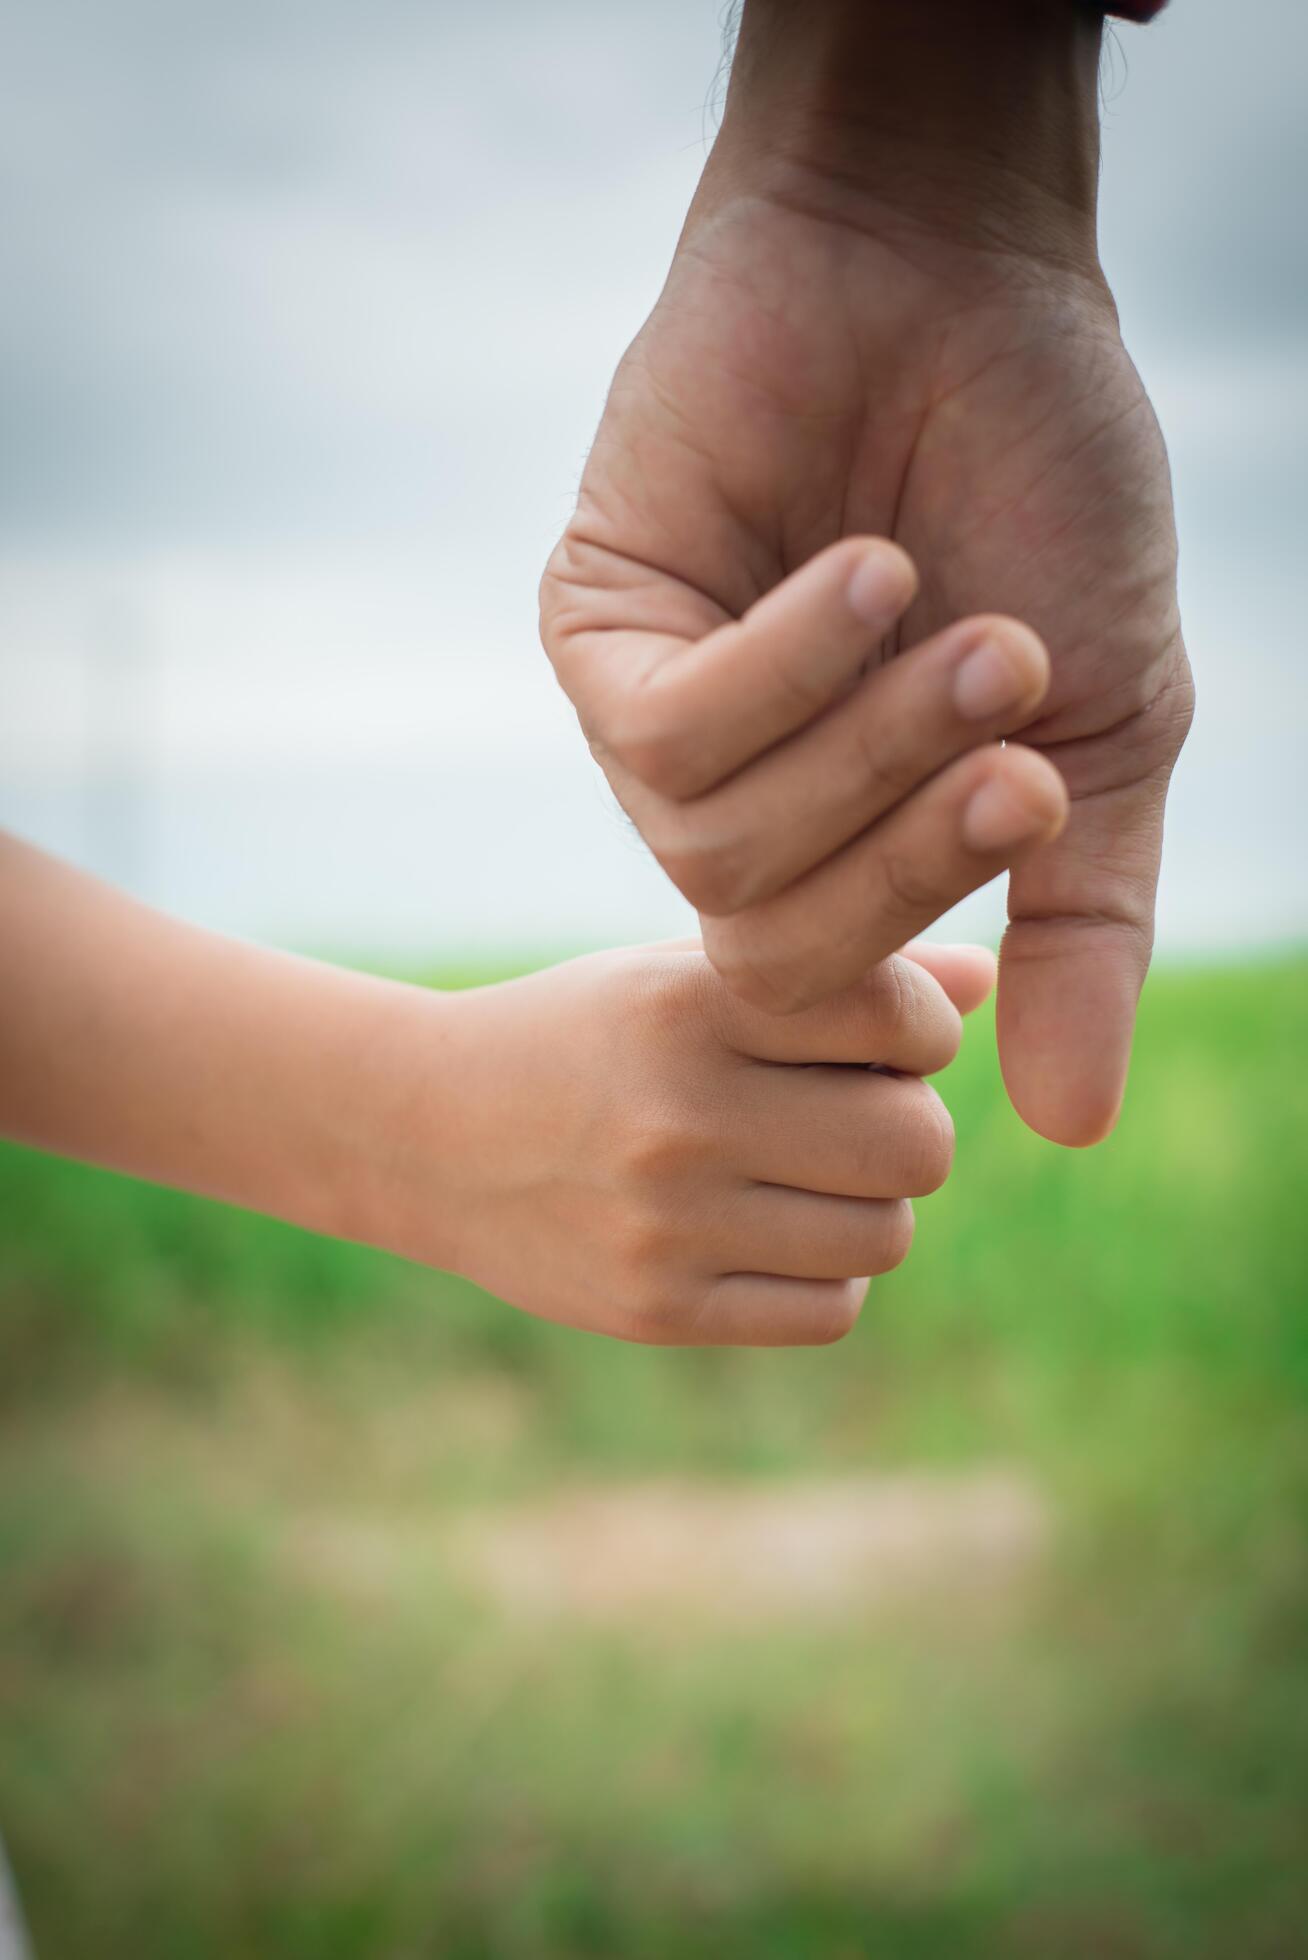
(837, 1317)
(894, 1239)
(641, 1253)
(661, 1310)
(888, 998)
(657, 1152)
(670, 997)
(921, 1142)
(910, 1021)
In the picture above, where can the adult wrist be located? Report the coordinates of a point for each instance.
(978, 118)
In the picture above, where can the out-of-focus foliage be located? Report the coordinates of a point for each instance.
(248, 1704)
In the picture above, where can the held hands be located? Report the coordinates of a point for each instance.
(818, 813)
(881, 334)
(639, 1148)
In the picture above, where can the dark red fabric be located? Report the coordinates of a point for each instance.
(1137, 9)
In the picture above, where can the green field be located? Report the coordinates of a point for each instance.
(255, 1700)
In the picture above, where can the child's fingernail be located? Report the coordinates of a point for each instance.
(997, 818)
(880, 586)
(989, 681)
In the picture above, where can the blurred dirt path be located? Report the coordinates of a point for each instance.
(726, 1552)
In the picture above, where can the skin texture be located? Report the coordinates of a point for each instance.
(671, 1165)
(619, 1143)
(886, 318)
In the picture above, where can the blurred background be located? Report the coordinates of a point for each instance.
(343, 1612)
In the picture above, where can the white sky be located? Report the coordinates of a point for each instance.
(309, 316)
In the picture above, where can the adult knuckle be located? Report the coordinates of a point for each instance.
(647, 731)
(1177, 705)
(552, 596)
(714, 873)
(910, 892)
(756, 974)
(882, 775)
(652, 751)
(798, 689)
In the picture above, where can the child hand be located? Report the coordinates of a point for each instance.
(627, 1147)
(619, 1143)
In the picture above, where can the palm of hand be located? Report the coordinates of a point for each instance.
(804, 378)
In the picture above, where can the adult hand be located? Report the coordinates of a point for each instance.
(886, 316)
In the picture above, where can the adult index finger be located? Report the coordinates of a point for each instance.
(683, 714)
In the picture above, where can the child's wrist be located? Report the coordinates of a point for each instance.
(395, 1127)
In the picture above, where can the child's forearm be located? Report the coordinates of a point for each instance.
(135, 1041)
(617, 1142)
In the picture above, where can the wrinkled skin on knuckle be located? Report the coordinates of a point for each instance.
(654, 733)
(1175, 704)
(674, 1003)
(650, 750)
(748, 971)
(910, 894)
(891, 1006)
(873, 773)
(907, 1017)
(555, 615)
(926, 1145)
(712, 871)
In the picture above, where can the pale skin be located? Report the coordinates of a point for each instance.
(619, 1143)
(886, 340)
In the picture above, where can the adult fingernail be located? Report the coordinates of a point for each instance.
(991, 680)
(997, 818)
(880, 586)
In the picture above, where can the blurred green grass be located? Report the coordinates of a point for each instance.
(211, 1744)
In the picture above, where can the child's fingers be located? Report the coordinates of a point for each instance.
(685, 721)
(807, 1235)
(796, 805)
(967, 973)
(764, 1310)
(893, 1014)
(845, 1132)
(966, 826)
